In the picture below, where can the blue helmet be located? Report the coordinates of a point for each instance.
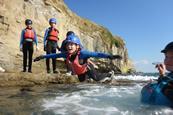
(70, 33)
(52, 20)
(74, 39)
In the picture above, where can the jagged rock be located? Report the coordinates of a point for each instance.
(94, 37)
(4, 24)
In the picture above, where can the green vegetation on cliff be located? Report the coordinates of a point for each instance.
(88, 27)
(113, 40)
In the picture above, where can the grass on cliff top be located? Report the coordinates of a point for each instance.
(89, 27)
(113, 40)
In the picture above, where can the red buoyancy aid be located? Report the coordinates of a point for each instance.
(53, 34)
(29, 34)
(76, 67)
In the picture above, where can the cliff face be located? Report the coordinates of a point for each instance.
(14, 12)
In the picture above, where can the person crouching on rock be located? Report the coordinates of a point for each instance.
(63, 49)
(28, 36)
(77, 58)
(50, 43)
(168, 65)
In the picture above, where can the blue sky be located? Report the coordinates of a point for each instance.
(146, 26)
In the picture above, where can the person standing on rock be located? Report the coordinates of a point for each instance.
(51, 43)
(76, 58)
(28, 37)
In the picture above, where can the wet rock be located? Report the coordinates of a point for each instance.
(26, 89)
(28, 79)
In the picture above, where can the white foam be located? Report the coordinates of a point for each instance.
(168, 111)
(135, 77)
(125, 113)
(88, 100)
(97, 99)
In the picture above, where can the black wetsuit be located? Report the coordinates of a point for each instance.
(91, 71)
(27, 51)
(51, 48)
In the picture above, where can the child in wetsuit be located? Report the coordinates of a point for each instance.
(63, 49)
(27, 40)
(51, 43)
(77, 58)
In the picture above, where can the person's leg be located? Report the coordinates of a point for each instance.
(54, 62)
(82, 77)
(24, 56)
(53, 50)
(48, 51)
(92, 73)
(30, 56)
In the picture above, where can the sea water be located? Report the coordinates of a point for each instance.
(80, 99)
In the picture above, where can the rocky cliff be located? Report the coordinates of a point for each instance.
(94, 37)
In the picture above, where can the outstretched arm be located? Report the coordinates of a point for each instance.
(59, 55)
(115, 57)
(86, 54)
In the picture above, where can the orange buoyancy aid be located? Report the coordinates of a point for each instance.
(29, 34)
(76, 67)
(53, 34)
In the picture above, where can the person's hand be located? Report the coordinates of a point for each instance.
(45, 48)
(58, 48)
(38, 58)
(21, 49)
(115, 57)
(161, 68)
